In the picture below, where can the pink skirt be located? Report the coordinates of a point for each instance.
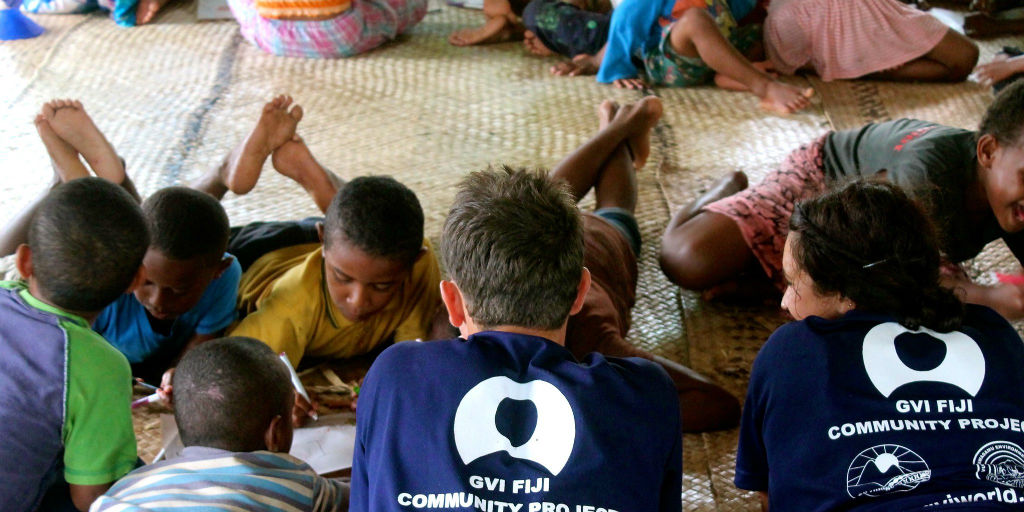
(844, 39)
(762, 212)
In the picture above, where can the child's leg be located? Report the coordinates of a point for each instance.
(240, 169)
(500, 26)
(72, 124)
(581, 169)
(696, 34)
(701, 249)
(950, 61)
(63, 156)
(147, 9)
(294, 160)
(616, 182)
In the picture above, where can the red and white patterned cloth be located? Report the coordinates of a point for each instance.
(843, 39)
(367, 24)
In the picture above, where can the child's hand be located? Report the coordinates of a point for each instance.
(1001, 67)
(166, 390)
(302, 410)
(1007, 299)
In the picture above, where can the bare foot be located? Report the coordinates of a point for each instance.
(535, 46)
(606, 112)
(72, 124)
(147, 9)
(579, 65)
(784, 98)
(294, 160)
(640, 118)
(275, 127)
(483, 35)
(63, 155)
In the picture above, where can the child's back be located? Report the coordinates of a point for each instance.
(64, 392)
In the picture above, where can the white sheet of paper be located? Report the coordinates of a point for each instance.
(326, 446)
(325, 449)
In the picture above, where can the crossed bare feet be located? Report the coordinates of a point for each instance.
(275, 127)
(67, 131)
(637, 119)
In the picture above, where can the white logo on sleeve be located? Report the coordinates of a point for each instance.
(476, 433)
(963, 367)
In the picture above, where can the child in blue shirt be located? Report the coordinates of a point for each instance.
(190, 286)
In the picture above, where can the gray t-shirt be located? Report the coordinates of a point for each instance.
(934, 164)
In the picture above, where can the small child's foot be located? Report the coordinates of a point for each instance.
(640, 117)
(275, 127)
(64, 157)
(606, 112)
(294, 160)
(785, 99)
(147, 9)
(72, 124)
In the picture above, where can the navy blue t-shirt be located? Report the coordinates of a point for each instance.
(513, 423)
(860, 413)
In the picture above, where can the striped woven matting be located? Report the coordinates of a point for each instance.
(175, 96)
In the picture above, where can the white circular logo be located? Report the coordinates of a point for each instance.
(1001, 462)
(884, 469)
(963, 367)
(476, 433)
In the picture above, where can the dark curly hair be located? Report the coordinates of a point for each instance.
(869, 242)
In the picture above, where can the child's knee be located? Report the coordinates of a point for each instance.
(964, 62)
(691, 22)
(693, 19)
(685, 260)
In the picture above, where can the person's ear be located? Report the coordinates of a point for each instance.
(23, 261)
(277, 437)
(320, 231)
(581, 292)
(987, 147)
(453, 301)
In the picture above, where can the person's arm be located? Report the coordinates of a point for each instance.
(1000, 68)
(83, 495)
(99, 442)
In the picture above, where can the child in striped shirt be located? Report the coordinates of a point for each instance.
(232, 401)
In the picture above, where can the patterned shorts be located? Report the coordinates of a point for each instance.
(666, 67)
(762, 212)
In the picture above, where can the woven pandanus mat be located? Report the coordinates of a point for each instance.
(175, 96)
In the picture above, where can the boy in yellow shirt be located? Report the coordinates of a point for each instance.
(335, 287)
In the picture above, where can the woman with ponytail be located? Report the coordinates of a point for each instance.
(887, 392)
